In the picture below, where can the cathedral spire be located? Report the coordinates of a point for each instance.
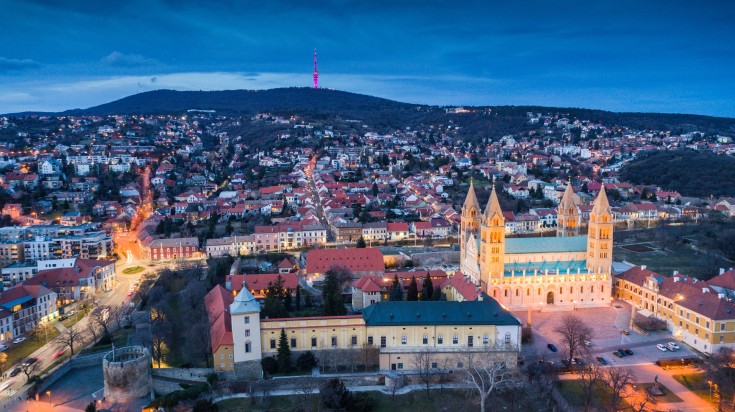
(601, 203)
(567, 200)
(470, 201)
(493, 205)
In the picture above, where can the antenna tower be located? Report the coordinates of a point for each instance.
(316, 73)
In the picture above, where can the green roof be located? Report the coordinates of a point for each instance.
(571, 267)
(521, 245)
(485, 312)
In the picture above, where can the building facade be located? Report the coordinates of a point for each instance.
(566, 271)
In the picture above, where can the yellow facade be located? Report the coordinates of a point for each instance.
(224, 358)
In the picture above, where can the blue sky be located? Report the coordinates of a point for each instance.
(625, 55)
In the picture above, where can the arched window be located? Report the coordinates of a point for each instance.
(602, 289)
(539, 291)
(505, 293)
(495, 293)
(518, 292)
(592, 289)
(581, 289)
(560, 290)
(528, 292)
(571, 289)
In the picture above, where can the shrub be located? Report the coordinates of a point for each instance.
(270, 365)
(306, 361)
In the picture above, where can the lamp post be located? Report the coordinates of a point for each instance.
(710, 390)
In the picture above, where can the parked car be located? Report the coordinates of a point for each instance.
(14, 372)
(672, 346)
(628, 351)
(565, 363)
(57, 354)
(19, 340)
(578, 361)
(662, 348)
(552, 347)
(587, 343)
(624, 332)
(622, 353)
(29, 361)
(3, 348)
(616, 353)
(601, 360)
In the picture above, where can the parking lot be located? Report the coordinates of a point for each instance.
(606, 324)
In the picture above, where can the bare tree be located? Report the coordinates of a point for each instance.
(486, 372)
(589, 377)
(422, 363)
(574, 332)
(93, 330)
(120, 316)
(307, 386)
(198, 343)
(160, 334)
(101, 318)
(369, 356)
(618, 379)
(721, 371)
(30, 369)
(645, 404)
(71, 338)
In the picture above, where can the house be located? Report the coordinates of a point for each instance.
(174, 248)
(258, 283)
(23, 307)
(397, 231)
(360, 262)
(217, 303)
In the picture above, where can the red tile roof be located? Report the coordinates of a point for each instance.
(463, 285)
(353, 259)
(218, 302)
(397, 227)
(260, 281)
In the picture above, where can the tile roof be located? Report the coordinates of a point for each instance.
(479, 312)
(353, 259)
(218, 302)
(259, 281)
(463, 285)
(520, 245)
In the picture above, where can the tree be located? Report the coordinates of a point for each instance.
(413, 290)
(30, 369)
(574, 332)
(361, 243)
(70, 338)
(284, 353)
(423, 362)
(427, 289)
(101, 318)
(332, 293)
(160, 334)
(485, 373)
(396, 291)
(306, 361)
(721, 371)
(3, 361)
(589, 376)
(618, 379)
(438, 294)
(333, 395)
(91, 407)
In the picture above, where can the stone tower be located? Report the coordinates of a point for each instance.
(245, 317)
(568, 220)
(471, 213)
(492, 240)
(600, 236)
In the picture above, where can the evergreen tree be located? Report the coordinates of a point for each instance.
(396, 292)
(332, 292)
(413, 290)
(288, 300)
(438, 294)
(361, 243)
(284, 353)
(298, 297)
(375, 189)
(427, 291)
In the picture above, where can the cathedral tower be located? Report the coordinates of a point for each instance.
(568, 213)
(600, 236)
(492, 240)
(470, 222)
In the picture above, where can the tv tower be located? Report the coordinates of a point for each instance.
(316, 73)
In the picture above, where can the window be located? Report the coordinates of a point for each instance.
(247, 332)
(485, 339)
(404, 340)
(400, 365)
(334, 341)
(232, 356)
(248, 347)
(222, 356)
(222, 365)
(293, 342)
(425, 340)
(592, 289)
(528, 292)
(313, 342)
(470, 341)
(370, 340)
(440, 340)
(273, 343)
(353, 340)
(247, 319)
(455, 339)
(706, 324)
(434, 365)
(507, 338)
(722, 339)
(722, 326)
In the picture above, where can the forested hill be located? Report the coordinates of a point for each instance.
(689, 172)
(383, 114)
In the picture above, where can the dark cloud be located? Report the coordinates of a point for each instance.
(8, 65)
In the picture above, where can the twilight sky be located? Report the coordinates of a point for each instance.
(622, 55)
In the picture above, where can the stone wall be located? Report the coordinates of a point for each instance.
(435, 258)
(127, 376)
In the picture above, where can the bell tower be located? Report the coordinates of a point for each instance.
(492, 240)
(600, 236)
(470, 222)
(568, 221)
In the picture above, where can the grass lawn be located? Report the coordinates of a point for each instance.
(668, 397)
(683, 259)
(22, 350)
(573, 392)
(448, 400)
(133, 270)
(119, 337)
(695, 382)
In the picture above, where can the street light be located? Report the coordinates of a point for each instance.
(710, 390)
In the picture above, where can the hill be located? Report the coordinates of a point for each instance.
(690, 172)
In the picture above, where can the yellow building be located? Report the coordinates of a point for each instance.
(566, 271)
(391, 332)
(694, 312)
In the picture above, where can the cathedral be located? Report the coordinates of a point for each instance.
(544, 273)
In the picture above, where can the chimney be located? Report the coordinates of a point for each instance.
(643, 267)
(721, 295)
(705, 290)
(722, 270)
(676, 272)
(676, 279)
